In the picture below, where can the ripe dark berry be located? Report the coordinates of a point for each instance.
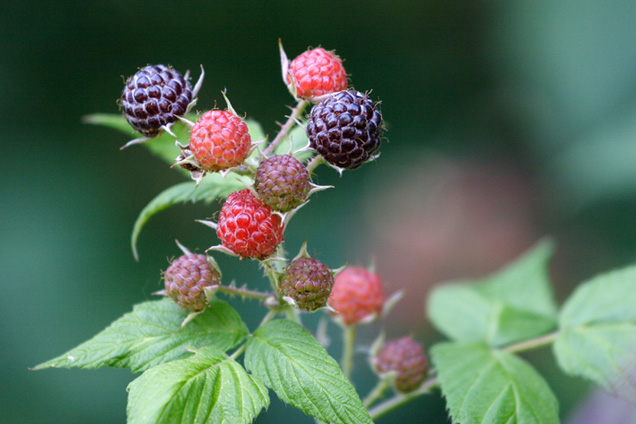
(248, 227)
(186, 278)
(153, 97)
(357, 294)
(407, 358)
(317, 72)
(219, 140)
(282, 182)
(308, 281)
(345, 129)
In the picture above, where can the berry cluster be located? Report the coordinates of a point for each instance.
(344, 129)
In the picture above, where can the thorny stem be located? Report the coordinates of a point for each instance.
(400, 399)
(287, 126)
(250, 294)
(348, 342)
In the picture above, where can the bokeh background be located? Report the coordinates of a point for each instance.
(507, 121)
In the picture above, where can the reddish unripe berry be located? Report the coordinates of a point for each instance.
(308, 281)
(357, 293)
(407, 359)
(187, 277)
(219, 140)
(248, 227)
(317, 72)
(282, 182)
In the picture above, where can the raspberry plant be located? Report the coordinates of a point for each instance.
(199, 362)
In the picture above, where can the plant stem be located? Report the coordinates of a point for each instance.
(250, 294)
(292, 314)
(238, 352)
(348, 342)
(377, 392)
(532, 343)
(287, 126)
(271, 314)
(400, 399)
(313, 163)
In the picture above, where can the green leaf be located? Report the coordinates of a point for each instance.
(290, 361)
(297, 136)
(514, 304)
(597, 332)
(162, 146)
(207, 388)
(484, 386)
(150, 335)
(212, 187)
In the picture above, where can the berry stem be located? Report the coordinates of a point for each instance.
(287, 126)
(401, 399)
(348, 339)
(238, 352)
(270, 315)
(314, 163)
(292, 314)
(378, 391)
(243, 292)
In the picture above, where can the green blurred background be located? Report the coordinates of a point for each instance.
(507, 121)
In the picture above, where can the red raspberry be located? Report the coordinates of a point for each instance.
(248, 227)
(357, 293)
(219, 140)
(317, 72)
(308, 281)
(407, 358)
(282, 182)
(186, 278)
